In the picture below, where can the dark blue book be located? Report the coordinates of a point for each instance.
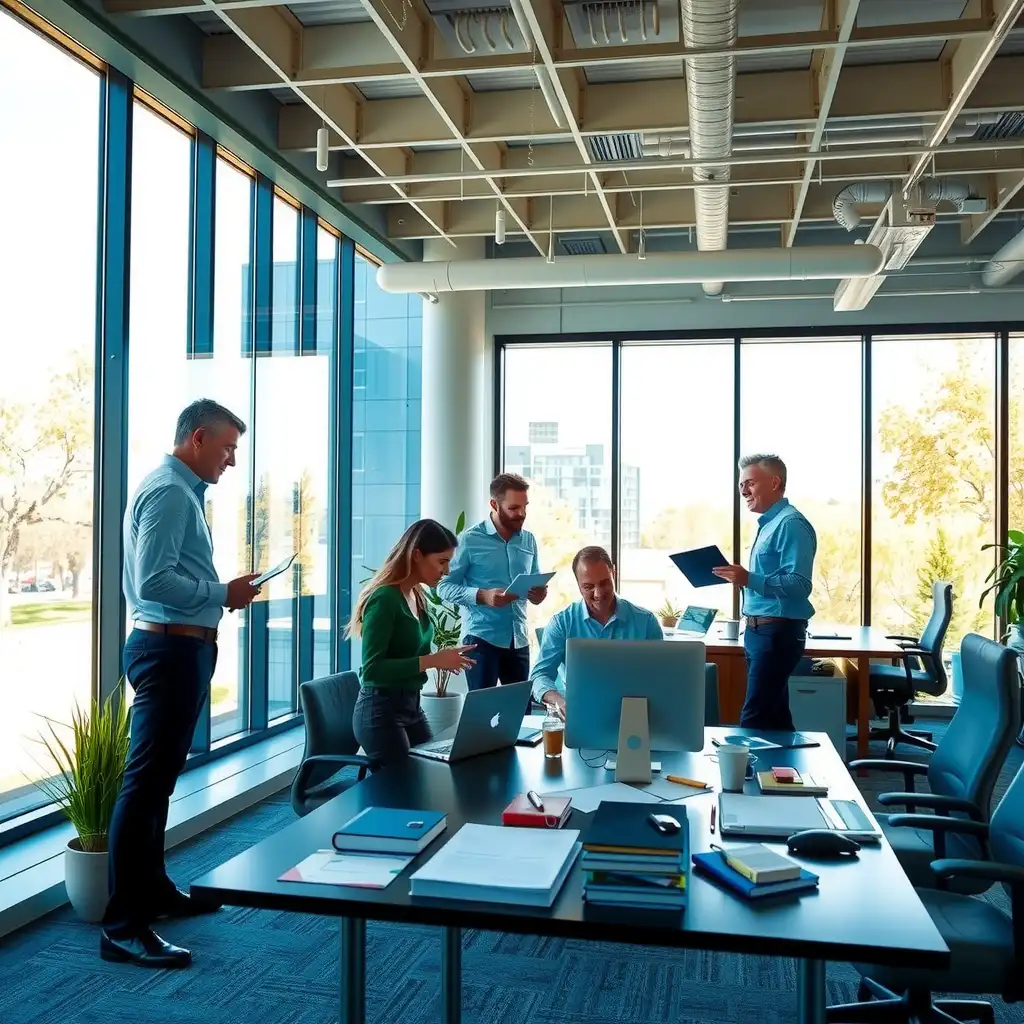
(389, 830)
(713, 865)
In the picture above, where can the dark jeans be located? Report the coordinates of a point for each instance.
(387, 722)
(772, 650)
(507, 664)
(171, 679)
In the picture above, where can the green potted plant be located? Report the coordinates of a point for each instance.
(89, 758)
(1006, 583)
(669, 614)
(441, 706)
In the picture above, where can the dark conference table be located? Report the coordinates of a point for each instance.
(864, 911)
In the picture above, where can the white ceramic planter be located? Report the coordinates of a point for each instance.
(85, 878)
(442, 713)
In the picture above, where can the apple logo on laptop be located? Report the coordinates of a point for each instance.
(495, 720)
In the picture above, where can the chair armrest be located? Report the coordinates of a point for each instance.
(359, 761)
(986, 870)
(901, 636)
(910, 769)
(914, 651)
(935, 801)
(940, 826)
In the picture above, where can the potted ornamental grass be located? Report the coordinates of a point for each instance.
(88, 760)
(669, 614)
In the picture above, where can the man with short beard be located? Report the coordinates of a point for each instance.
(489, 557)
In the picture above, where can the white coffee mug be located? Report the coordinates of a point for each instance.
(732, 763)
(730, 629)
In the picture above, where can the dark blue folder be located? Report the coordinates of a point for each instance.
(696, 565)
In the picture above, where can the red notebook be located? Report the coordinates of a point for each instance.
(521, 812)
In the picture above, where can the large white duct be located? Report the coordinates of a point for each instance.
(802, 263)
(1006, 264)
(933, 190)
(710, 89)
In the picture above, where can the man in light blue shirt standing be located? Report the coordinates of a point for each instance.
(489, 557)
(776, 589)
(601, 615)
(176, 602)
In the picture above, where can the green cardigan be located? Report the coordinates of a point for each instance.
(393, 642)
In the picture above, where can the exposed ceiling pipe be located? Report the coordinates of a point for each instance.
(1006, 264)
(710, 90)
(933, 190)
(801, 263)
(838, 132)
(986, 146)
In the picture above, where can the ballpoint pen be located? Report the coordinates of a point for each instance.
(683, 781)
(535, 800)
(713, 809)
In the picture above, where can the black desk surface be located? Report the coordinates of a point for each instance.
(864, 911)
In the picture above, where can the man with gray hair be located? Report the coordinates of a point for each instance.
(176, 602)
(775, 591)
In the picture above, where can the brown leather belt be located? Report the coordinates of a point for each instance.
(757, 620)
(205, 633)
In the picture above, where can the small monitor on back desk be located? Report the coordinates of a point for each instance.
(634, 696)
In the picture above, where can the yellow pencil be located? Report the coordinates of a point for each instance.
(683, 781)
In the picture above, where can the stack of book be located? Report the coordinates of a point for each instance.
(632, 857)
(796, 785)
(754, 871)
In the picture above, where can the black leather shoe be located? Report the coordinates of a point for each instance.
(180, 904)
(145, 948)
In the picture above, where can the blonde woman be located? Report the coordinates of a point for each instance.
(391, 617)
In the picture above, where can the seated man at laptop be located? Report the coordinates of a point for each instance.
(601, 615)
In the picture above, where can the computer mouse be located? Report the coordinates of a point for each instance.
(664, 823)
(822, 843)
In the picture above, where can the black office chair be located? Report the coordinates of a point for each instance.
(327, 704)
(962, 772)
(920, 670)
(986, 945)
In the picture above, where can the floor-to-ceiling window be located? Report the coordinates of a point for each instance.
(786, 387)
(1015, 498)
(158, 312)
(47, 346)
(933, 478)
(557, 433)
(897, 472)
(284, 415)
(386, 381)
(676, 474)
(315, 511)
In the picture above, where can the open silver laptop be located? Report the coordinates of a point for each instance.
(772, 817)
(490, 721)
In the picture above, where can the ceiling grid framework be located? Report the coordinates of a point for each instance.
(434, 111)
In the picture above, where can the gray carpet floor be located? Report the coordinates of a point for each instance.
(261, 967)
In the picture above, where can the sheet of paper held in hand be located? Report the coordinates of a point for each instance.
(364, 870)
(526, 581)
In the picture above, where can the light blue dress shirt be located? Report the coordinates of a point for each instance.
(781, 564)
(484, 560)
(629, 622)
(169, 574)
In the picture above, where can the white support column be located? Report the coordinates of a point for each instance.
(456, 426)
